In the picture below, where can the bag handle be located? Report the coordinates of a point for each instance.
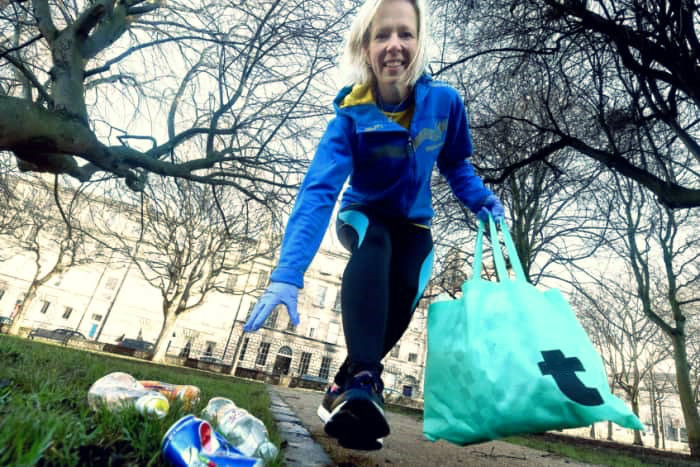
(478, 248)
(497, 252)
(501, 270)
(515, 263)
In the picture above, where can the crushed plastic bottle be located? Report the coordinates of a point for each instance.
(117, 390)
(245, 431)
(185, 392)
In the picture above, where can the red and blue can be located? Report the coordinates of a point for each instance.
(192, 442)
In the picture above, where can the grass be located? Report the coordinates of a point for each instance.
(577, 453)
(573, 449)
(45, 420)
(600, 453)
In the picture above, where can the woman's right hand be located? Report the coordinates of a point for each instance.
(277, 293)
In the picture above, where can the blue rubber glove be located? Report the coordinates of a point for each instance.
(492, 205)
(277, 293)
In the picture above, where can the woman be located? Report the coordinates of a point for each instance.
(390, 129)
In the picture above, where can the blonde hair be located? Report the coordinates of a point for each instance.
(354, 61)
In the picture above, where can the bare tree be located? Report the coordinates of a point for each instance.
(48, 230)
(661, 247)
(183, 239)
(215, 92)
(605, 78)
(660, 385)
(618, 80)
(10, 219)
(629, 343)
(693, 345)
(551, 204)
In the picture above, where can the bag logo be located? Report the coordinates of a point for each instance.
(563, 370)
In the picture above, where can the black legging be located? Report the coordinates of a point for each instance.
(388, 269)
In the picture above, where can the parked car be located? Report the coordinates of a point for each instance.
(59, 334)
(210, 359)
(136, 344)
(5, 322)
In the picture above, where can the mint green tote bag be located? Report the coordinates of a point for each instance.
(508, 358)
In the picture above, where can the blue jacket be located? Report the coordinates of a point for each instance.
(389, 168)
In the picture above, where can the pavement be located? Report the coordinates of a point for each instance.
(308, 445)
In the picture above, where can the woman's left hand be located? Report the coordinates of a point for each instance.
(492, 205)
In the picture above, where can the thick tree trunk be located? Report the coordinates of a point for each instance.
(635, 408)
(22, 308)
(685, 392)
(661, 427)
(652, 407)
(161, 347)
(68, 89)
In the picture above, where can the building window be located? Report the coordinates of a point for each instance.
(671, 432)
(67, 312)
(290, 325)
(325, 368)
(337, 307)
(272, 320)
(262, 279)
(185, 352)
(44, 306)
(304, 363)
(395, 351)
(250, 310)
(263, 350)
(96, 317)
(313, 325)
(333, 331)
(244, 347)
(320, 299)
(111, 283)
(231, 282)
(412, 357)
(407, 391)
(209, 349)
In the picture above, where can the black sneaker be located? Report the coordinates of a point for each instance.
(324, 410)
(357, 414)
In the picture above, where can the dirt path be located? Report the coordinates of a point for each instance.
(406, 445)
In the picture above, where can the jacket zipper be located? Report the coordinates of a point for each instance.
(413, 164)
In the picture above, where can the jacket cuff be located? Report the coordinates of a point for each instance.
(288, 275)
(480, 204)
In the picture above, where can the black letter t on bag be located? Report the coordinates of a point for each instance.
(563, 371)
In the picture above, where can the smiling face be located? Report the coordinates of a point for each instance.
(393, 39)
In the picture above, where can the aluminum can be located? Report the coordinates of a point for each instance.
(193, 442)
(185, 392)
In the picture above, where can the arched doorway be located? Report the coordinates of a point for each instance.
(409, 387)
(283, 361)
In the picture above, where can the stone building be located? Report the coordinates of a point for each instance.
(110, 300)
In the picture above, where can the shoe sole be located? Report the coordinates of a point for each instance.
(323, 414)
(357, 421)
(362, 444)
